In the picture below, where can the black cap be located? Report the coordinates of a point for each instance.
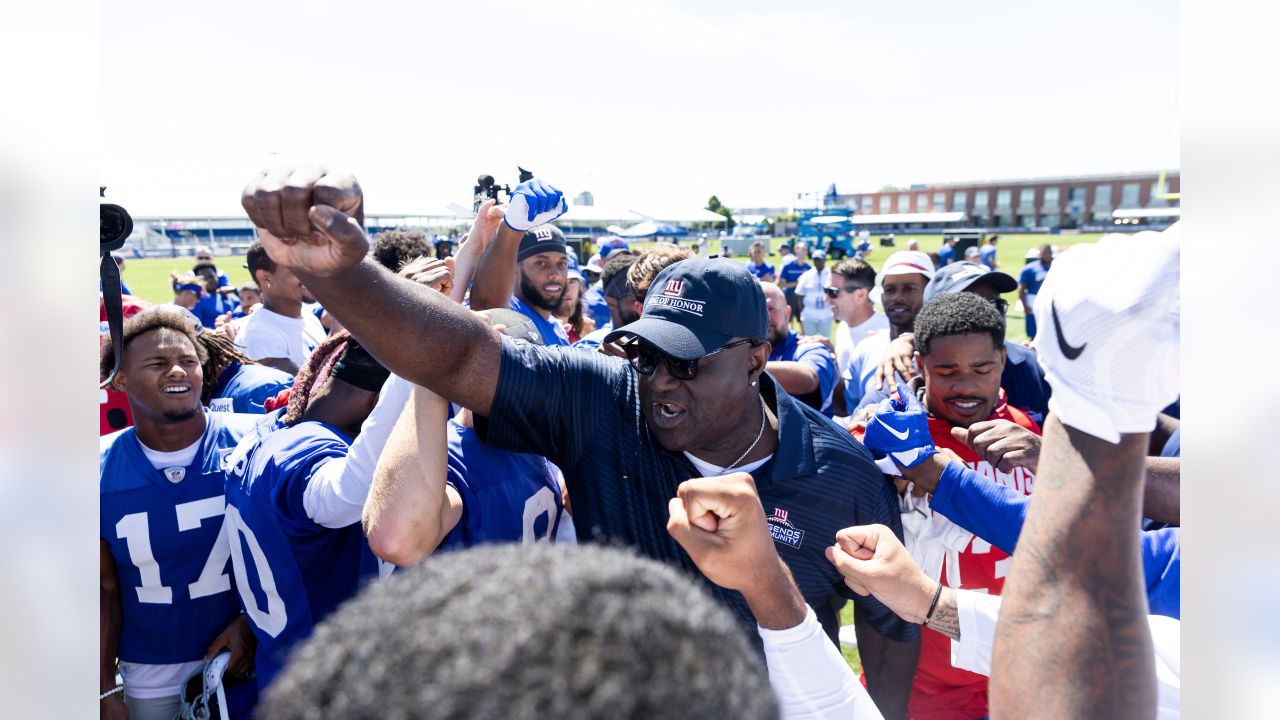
(544, 238)
(697, 306)
(960, 275)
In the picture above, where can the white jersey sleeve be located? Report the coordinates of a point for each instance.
(809, 676)
(335, 496)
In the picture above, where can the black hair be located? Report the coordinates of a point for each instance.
(393, 249)
(593, 632)
(617, 265)
(155, 318)
(256, 258)
(221, 353)
(957, 314)
(204, 265)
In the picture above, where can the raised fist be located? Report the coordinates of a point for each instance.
(534, 203)
(310, 217)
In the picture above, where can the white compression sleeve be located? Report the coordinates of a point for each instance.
(810, 678)
(335, 496)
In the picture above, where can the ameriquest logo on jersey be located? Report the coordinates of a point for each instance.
(783, 531)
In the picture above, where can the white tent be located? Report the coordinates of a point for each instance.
(683, 217)
(897, 218)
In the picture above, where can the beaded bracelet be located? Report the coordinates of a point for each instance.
(112, 691)
(933, 605)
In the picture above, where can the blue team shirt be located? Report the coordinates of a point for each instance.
(596, 307)
(1032, 276)
(791, 271)
(209, 307)
(987, 253)
(594, 339)
(506, 496)
(290, 572)
(581, 411)
(946, 255)
(168, 543)
(246, 388)
(552, 331)
(818, 357)
(762, 270)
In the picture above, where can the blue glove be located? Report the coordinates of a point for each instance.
(534, 203)
(900, 429)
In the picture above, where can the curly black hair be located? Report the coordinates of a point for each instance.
(154, 318)
(594, 632)
(393, 249)
(957, 314)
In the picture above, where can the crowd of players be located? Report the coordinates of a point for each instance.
(302, 472)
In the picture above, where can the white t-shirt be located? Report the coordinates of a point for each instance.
(709, 470)
(809, 285)
(267, 334)
(847, 338)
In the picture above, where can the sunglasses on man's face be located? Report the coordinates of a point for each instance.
(645, 358)
(834, 292)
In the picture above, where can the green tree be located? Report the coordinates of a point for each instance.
(715, 206)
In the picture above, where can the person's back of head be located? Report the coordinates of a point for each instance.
(651, 262)
(527, 631)
(393, 249)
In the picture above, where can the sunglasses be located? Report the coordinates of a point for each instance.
(645, 358)
(834, 292)
(1001, 304)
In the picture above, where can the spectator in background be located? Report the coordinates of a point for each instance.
(1029, 282)
(393, 249)
(204, 254)
(186, 289)
(784, 254)
(593, 300)
(810, 286)
(947, 253)
(913, 244)
(762, 270)
(124, 288)
(972, 254)
(902, 283)
(622, 304)
(988, 253)
(572, 311)
(215, 301)
(249, 299)
(444, 246)
(807, 371)
(788, 274)
(279, 334)
(857, 318)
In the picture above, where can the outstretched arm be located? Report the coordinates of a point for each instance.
(495, 276)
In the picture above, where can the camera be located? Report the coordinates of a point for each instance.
(487, 187)
(114, 225)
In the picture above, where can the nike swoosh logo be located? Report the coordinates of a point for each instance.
(1067, 348)
(900, 435)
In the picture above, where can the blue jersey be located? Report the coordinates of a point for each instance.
(290, 572)
(596, 307)
(506, 496)
(761, 271)
(209, 307)
(552, 331)
(987, 253)
(1033, 277)
(820, 359)
(946, 255)
(245, 388)
(167, 540)
(791, 272)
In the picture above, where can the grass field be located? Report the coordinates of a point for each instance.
(149, 279)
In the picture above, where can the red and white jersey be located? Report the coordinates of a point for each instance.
(940, 691)
(113, 407)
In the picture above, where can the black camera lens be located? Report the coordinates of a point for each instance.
(115, 227)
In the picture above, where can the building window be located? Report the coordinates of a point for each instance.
(958, 200)
(922, 202)
(1003, 197)
(1051, 197)
(868, 204)
(1050, 220)
(1102, 196)
(1027, 198)
(1157, 189)
(884, 204)
(1129, 195)
(939, 202)
(904, 203)
(979, 200)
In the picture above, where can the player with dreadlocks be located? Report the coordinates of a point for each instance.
(237, 384)
(295, 492)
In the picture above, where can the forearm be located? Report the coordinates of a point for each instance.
(810, 677)
(1076, 578)
(1166, 425)
(987, 509)
(796, 378)
(1161, 500)
(110, 619)
(416, 332)
(495, 275)
(889, 666)
(409, 511)
(775, 601)
(464, 268)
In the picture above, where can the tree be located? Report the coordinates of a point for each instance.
(715, 206)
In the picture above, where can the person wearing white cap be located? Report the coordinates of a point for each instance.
(815, 317)
(901, 283)
(972, 254)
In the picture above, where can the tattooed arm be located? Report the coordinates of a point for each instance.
(1077, 579)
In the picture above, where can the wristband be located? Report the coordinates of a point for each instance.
(933, 605)
(112, 691)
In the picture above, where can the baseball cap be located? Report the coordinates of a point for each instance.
(697, 306)
(817, 255)
(972, 252)
(544, 238)
(576, 274)
(960, 275)
(517, 325)
(906, 262)
(593, 265)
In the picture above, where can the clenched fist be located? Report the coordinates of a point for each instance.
(310, 217)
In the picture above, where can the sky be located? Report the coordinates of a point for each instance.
(652, 105)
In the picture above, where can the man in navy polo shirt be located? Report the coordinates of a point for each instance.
(808, 371)
(1029, 282)
(525, 269)
(693, 401)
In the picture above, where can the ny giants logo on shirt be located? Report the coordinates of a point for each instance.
(672, 296)
(783, 531)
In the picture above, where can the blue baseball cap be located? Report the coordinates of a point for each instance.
(696, 306)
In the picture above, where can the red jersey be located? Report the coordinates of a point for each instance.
(114, 413)
(941, 691)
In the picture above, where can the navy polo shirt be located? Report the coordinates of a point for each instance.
(582, 412)
(819, 358)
